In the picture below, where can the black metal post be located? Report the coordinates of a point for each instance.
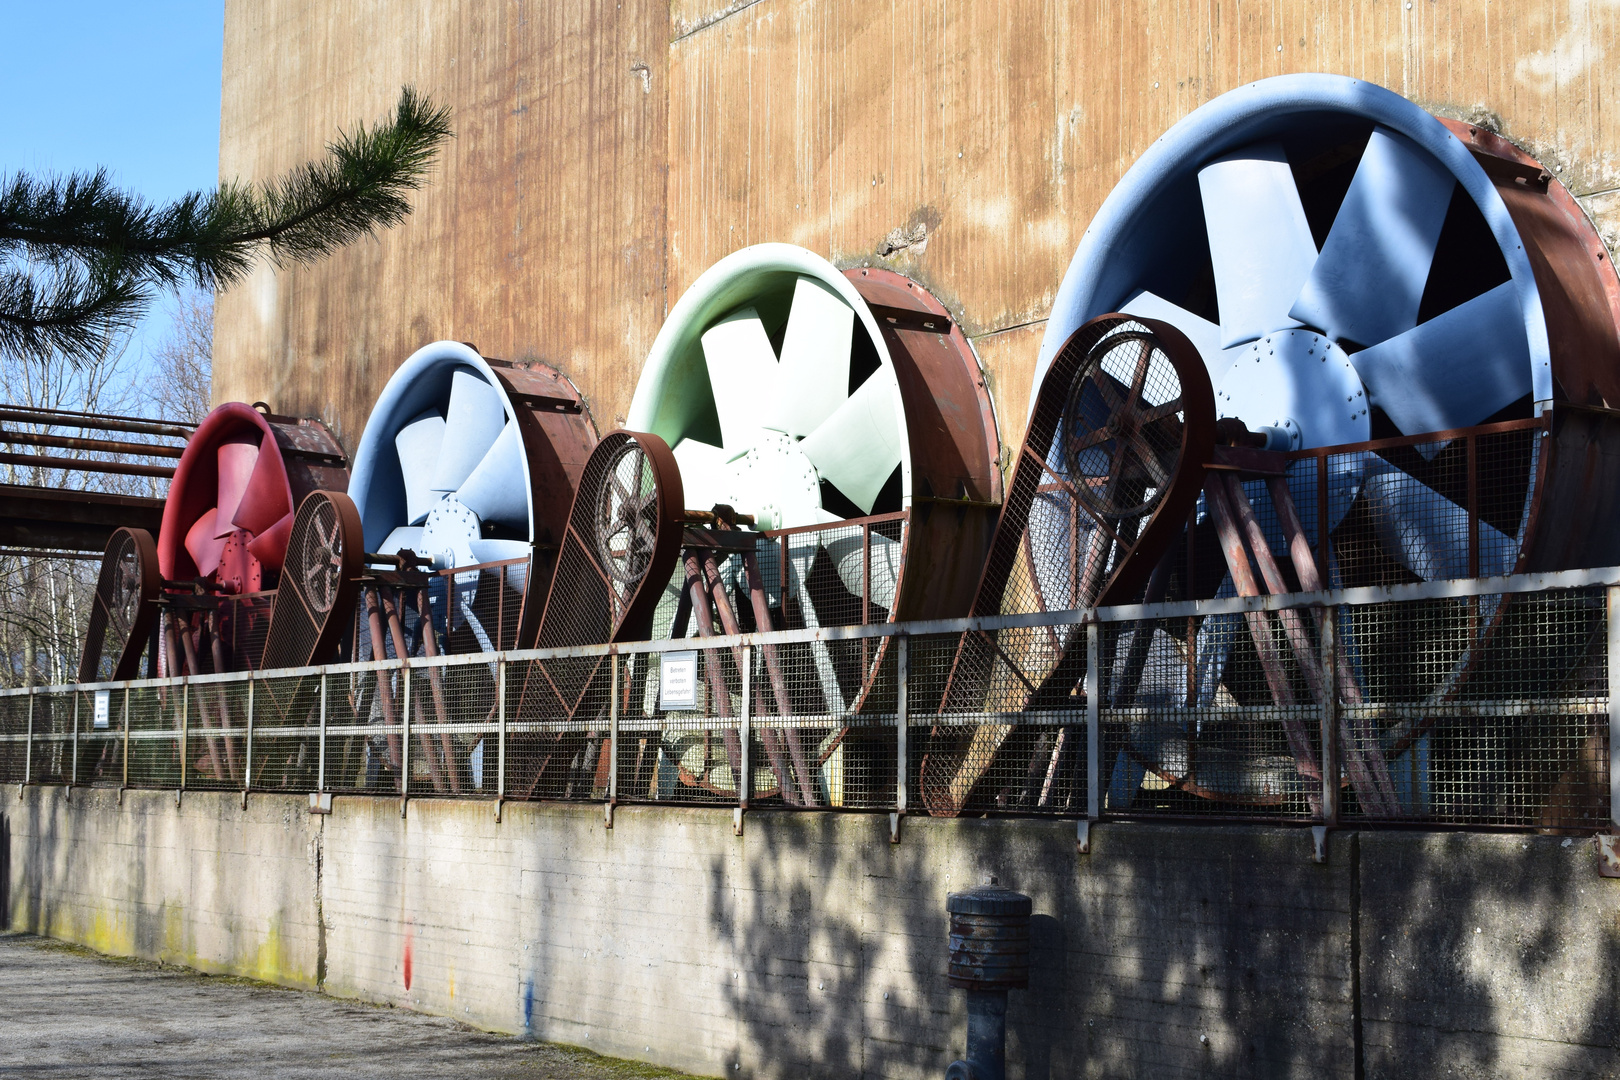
(989, 956)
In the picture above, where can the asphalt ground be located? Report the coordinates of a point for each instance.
(67, 1012)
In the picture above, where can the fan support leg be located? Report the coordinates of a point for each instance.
(216, 645)
(385, 689)
(216, 768)
(712, 674)
(1237, 564)
(430, 647)
(396, 630)
(1369, 772)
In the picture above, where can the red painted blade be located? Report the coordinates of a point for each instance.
(236, 456)
(270, 546)
(204, 547)
(267, 498)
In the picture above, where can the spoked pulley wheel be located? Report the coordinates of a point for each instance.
(319, 582)
(124, 610)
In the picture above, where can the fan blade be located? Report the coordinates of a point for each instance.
(488, 551)
(850, 562)
(270, 546)
(1258, 238)
(857, 448)
(1368, 281)
(267, 498)
(472, 423)
(742, 376)
(705, 477)
(236, 458)
(814, 371)
(406, 537)
(202, 545)
(496, 490)
(1454, 370)
(1205, 335)
(1426, 532)
(418, 444)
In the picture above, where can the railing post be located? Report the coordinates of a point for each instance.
(1330, 718)
(320, 748)
(185, 731)
(500, 745)
(1093, 721)
(247, 770)
(1614, 708)
(744, 781)
(404, 735)
(73, 776)
(28, 746)
(902, 725)
(613, 741)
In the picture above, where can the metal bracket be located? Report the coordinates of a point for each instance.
(737, 820)
(1082, 837)
(607, 815)
(498, 804)
(1608, 848)
(320, 802)
(1319, 843)
(894, 826)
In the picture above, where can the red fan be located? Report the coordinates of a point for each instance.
(226, 525)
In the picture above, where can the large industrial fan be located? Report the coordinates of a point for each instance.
(219, 551)
(843, 415)
(472, 463)
(1410, 328)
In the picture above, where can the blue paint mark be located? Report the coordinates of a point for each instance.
(528, 1004)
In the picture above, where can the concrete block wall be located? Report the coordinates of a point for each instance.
(811, 946)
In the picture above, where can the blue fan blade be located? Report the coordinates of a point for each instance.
(1426, 532)
(1368, 282)
(1258, 238)
(497, 489)
(417, 445)
(1205, 335)
(1454, 370)
(472, 422)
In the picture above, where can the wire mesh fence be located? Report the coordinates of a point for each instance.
(1481, 702)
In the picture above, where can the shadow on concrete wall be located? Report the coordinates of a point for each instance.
(5, 872)
(1205, 951)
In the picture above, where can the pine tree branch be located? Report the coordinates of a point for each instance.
(95, 254)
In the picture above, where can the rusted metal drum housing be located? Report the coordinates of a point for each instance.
(989, 938)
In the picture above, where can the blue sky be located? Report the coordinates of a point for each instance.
(133, 86)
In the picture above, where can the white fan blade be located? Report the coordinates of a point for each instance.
(814, 370)
(742, 376)
(1369, 279)
(472, 423)
(849, 561)
(1258, 238)
(1205, 335)
(235, 458)
(496, 490)
(857, 448)
(1426, 532)
(403, 538)
(705, 477)
(418, 445)
(488, 551)
(1454, 370)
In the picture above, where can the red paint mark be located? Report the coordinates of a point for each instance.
(407, 958)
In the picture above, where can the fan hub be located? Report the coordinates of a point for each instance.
(1298, 387)
(447, 535)
(776, 483)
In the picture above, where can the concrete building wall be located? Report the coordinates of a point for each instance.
(607, 153)
(811, 946)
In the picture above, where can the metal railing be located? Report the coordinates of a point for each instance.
(1480, 702)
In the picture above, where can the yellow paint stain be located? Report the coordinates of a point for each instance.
(270, 959)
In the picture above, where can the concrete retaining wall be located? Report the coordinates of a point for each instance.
(811, 946)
